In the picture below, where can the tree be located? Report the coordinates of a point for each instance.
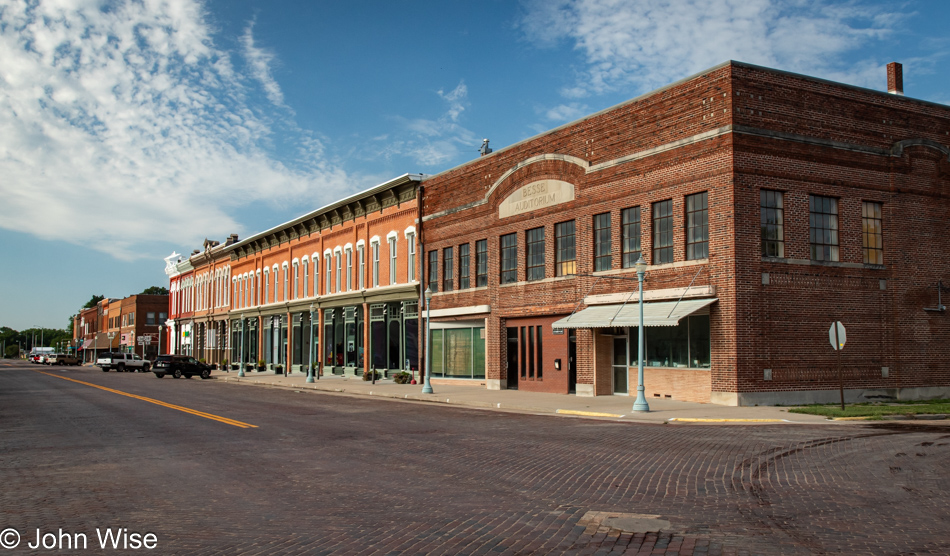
(92, 302)
(155, 290)
(12, 352)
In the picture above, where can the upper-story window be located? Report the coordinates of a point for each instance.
(630, 236)
(823, 227)
(534, 251)
(361, 256)
(266, 286)
(306, 274)
(465, 266)
(872, 232)
(663, 232)
(286, 272)
(328, 279)
(349, 268)
(603, 250)
(448, 260)
(433, 284)
(697, 226)
(481, 263)
(253, 301)
(392, 260)
(508, 245)
(411, 256)
(296, 280)
(565, 253)
(338, 261)
(276, 274)
(374, 246)
(772, 211)
(315, 261)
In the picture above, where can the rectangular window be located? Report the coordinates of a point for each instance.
(433, 284)
(534, 251)
(286, 284)
(509, 258)
(375, 247)
(684, 345)
(328, 279)
(338, 261)
(772, 208)
(697, 226)
(481, 263)
(306, 276)
(464, 266)
(296, 281)
(349, 269)
(872, 232)
(392, 260)
(602, 246)
(316, 276)
(823, 227)
(361, 255)
(411, 251)
(540, 353)
(630, 236)
(565, 254)
(663, 232)
(447, 262)
(530, 352)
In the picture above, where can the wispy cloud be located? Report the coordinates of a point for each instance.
(566, 112)
(124, 125)
(433, 142)
(259, 61)
(638, 46)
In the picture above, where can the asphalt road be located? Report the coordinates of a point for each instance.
(215, 468)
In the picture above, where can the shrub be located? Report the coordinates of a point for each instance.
(402, 377)
(368, 375)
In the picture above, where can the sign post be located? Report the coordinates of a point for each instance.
(837, 337)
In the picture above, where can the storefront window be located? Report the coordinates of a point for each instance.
(684, 345)
(458, 352)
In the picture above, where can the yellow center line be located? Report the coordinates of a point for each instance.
(161, 403)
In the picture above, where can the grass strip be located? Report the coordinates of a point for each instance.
(876, 409)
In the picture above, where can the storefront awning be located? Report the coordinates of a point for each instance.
(657, 313)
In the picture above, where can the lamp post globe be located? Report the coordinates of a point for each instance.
(641, 402)
(427, 385)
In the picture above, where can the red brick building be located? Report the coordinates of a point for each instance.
(767, 205)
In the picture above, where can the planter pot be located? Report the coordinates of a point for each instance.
(261, 368)
(278, 370)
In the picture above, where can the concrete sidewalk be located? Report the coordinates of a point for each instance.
(477, 396)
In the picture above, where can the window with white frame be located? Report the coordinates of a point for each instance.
(296, 280)
(316, 274)
(375, 247)
(266, 286)
(328, 278)
(253, 290)
(285, 269)
(338, 260)
(361, 253)
(392, 260)
(349, 268)
(276, 276)
(411, 254)
(306, 274)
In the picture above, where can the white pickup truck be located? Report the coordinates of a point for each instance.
(122, 362)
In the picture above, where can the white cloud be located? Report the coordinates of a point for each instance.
(647, 44)
(566, 112)
(433, 142)
(259, 60)
(124, 125)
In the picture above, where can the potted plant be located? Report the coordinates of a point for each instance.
(261, 365)
(224, 365)
(402, 377)
(368, 375)
(278, 369)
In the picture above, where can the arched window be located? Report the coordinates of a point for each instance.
(391, 238)
(276, 276)
(296, 279)
(374, 249)
(314, 259)
(348, 249)
(328, 278)
(266, 286)
(361, 262)
(284, 268)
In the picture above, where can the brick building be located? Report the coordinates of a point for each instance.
(116, 325)
(766, 204)
(340, 282)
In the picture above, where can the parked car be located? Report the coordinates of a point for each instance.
(62, 359)
(180, 366)
(122, 362)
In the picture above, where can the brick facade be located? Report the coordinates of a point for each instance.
(730, 132)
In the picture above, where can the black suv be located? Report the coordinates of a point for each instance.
(180, 366)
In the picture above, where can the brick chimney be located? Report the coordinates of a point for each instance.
(895, 78)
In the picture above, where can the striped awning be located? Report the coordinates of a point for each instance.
(656, 313)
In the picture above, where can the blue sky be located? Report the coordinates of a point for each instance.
(131, 129)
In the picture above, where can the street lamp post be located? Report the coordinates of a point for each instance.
(160, 328)
(427, 385)
(241, 357)
(310, 359)
(641, 403)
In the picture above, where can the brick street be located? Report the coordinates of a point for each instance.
(332, 474)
